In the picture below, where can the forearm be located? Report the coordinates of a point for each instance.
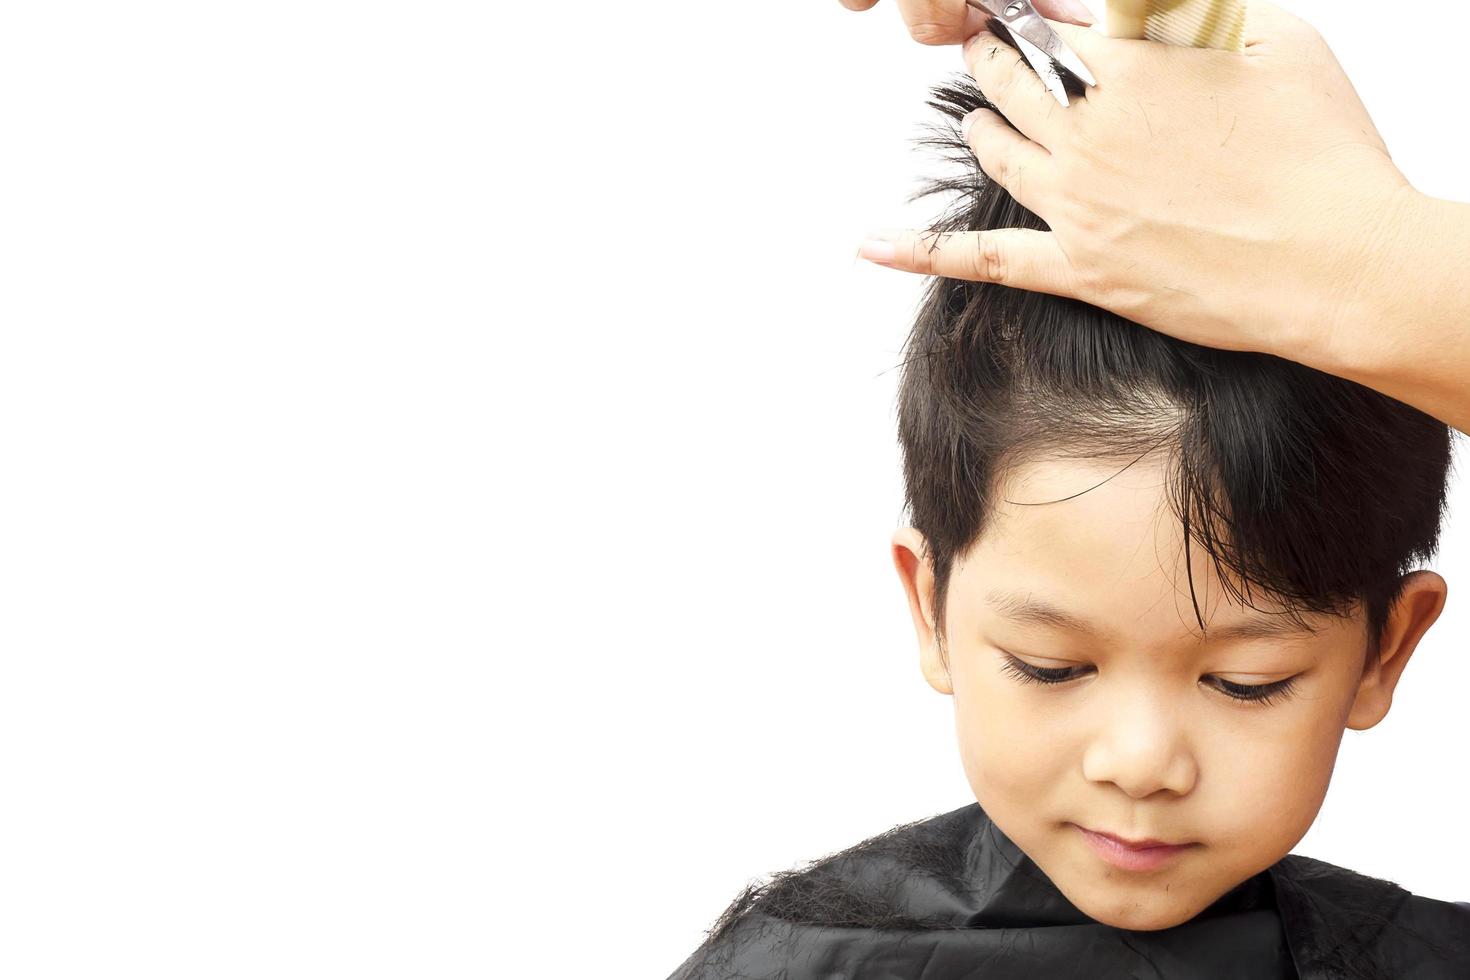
(1406, 329)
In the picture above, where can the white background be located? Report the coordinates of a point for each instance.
(448, 469)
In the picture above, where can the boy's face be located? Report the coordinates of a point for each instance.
(1142, 741)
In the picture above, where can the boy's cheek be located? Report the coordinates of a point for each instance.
(1002, 768)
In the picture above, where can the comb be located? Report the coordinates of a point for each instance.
(1189, 23)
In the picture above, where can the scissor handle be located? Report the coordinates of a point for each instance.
(1005, 11)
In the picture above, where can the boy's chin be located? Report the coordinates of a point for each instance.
(1139, 914)
(1141, 905)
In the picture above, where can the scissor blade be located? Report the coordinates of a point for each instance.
(1022, 20)
(1041, 61)
(1069, 60)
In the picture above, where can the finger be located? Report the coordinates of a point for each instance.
(1009, 81)
(1024, 168)
(1068, 11)
(940, 21)
(1071, 11)
(1265, 22)
(1019, 257)
(1086, 41)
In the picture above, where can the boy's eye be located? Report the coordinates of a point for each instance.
(1253, 693)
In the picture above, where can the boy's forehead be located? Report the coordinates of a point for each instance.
(1094, 549)
(1052, 478)
(1083, 512)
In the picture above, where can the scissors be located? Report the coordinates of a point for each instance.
(1042, 46)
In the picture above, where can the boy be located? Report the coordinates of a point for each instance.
(1159, 581)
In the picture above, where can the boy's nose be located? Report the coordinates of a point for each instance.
(1142, 747)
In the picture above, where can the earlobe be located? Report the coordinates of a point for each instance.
(1417, 608)
(910, 559)
(935, 672)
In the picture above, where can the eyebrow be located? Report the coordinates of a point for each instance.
(1027, 608)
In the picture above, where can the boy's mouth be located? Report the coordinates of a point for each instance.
(1132, 855)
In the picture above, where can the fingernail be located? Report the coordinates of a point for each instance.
(1079, 12)
(877, 250)
(968, 121)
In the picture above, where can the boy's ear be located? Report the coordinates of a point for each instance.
(917, 576)
(1410, 617)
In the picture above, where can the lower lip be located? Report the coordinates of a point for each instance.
(1132, 858)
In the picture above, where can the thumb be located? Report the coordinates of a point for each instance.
(1020, 257)
(1265, 22)
(1067, 11)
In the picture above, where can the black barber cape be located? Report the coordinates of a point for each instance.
(952, 898)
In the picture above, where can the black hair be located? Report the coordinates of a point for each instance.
(1318, 491)
(1312, 488)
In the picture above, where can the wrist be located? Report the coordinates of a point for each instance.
(1404, 330)
(1379, 255)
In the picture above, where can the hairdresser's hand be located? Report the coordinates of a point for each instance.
(1242, 201)
(951, 21)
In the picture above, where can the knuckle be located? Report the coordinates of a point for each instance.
(1001, 169)
(989, 258)
(1111, 293)
(1017, 174)
(1096, 288)
(1085, 220)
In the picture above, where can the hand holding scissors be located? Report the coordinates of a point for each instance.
(952, 22)
(1019, 22)
(1042, 47)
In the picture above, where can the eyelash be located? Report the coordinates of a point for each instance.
(1256, 694)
